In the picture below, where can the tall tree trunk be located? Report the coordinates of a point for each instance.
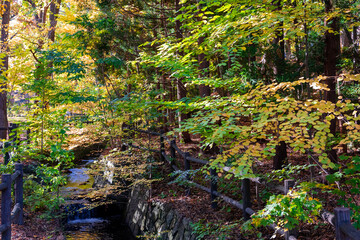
(54, 11)
(204, 65)
(332, 52)
(280, 157)
(279, 46)
(164, 81)
(181, 89)
(204, 90)
(352, 42)
(3, 84)
(356, 50)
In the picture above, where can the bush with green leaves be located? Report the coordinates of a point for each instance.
(214, 230)
(42, 190)
(287, 211)
(346, 185)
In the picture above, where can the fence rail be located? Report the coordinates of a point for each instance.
(16, 214)
(340, 220)
(8, 214)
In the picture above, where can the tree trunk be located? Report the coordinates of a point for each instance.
(164, 79)
(204, 65)
(4, 48)
(181, 89)
(280, 157)
(332, 52)
(54, 11)
(356, 51)
(279, 46)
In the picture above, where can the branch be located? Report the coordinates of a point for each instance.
(33, 5)
(161, 9)
(33, 53)
(352, 43)
(45, 11)
(140, 16)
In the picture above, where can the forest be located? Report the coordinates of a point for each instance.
(262, 90)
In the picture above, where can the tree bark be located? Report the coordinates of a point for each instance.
(181, 89)
(279, 46)
(204, 65)
(332, 52)
(356, 47)
(54, 11)
(5, 61)
(280, 157)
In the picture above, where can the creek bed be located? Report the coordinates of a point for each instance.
(104, 222)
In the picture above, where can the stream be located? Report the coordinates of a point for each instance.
(105, 222)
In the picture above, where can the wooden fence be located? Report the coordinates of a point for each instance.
(8, 214)
(13, 139)
(340, 220)
(16, 214)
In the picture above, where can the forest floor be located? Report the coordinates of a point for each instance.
(225, 221)
(36, 228)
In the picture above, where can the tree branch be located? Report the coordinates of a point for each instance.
(33, 53)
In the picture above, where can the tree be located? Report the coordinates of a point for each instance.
(181, 89)
(5, 65)
(332, 53)
(54, 11)
(203, 60)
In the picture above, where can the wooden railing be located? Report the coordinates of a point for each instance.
(344, 230)
(340, 220)
(13, 139)
(9, 215)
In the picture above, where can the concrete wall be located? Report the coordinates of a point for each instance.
(155, 219)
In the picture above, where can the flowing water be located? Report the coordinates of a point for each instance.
(104, 222)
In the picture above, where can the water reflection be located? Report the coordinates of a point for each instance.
(90, 224)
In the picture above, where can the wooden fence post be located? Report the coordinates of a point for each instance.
(342, 216)
(172, 151)
(289, 183)
(162, 147)
(245, 188)
(213, 187)
(19, 199)
(14, 133)
(6, 207)
(28, 132)
(7, 153)
(187, 167)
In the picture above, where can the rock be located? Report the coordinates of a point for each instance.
(156, 218)
(193, 237)
(187, 235)
(169, 219)
(186, 223)
(181, 231)
(158, 224)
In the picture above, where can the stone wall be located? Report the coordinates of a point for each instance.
(155, 219)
